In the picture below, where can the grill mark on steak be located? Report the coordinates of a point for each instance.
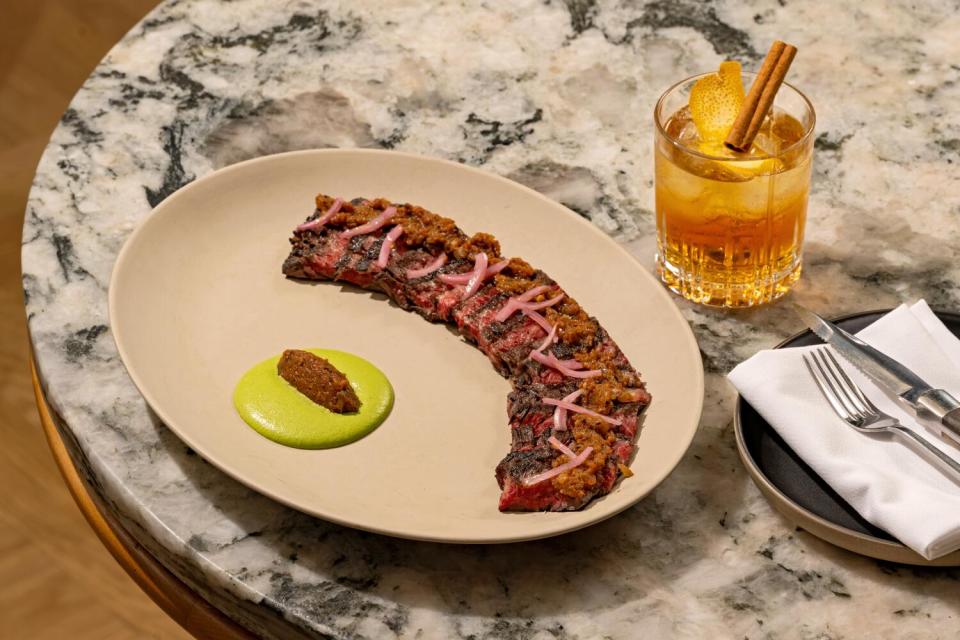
(564, 351)
(496, 330)
(323, 254)
(518, 497)
(481, 316)
(529, 397)
(344, 260)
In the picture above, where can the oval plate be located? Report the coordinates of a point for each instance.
(799, 494)
(197, 297)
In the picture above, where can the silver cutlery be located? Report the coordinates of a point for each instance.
(849, 402)
(932, 405)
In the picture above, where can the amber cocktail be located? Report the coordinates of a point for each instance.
(730, 224)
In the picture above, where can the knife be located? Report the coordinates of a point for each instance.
(936, 405)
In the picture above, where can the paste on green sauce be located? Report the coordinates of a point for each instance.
(276, 410)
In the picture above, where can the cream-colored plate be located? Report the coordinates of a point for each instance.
(197, 297)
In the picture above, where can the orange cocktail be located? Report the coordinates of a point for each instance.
(730, 224)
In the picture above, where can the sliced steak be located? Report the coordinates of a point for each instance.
(322, 253)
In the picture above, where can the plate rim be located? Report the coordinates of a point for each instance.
(818, 526)
(560, 528)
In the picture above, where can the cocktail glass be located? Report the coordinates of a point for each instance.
(730, 225)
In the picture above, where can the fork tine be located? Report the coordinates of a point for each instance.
(864, 400)
(838, 407)
(844, 385)
(836, 388)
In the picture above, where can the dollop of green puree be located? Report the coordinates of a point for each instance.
(275, 409)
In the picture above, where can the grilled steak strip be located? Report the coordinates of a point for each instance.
(323, 254)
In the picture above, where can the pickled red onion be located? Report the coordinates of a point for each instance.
(507, 310)
(518, 304)
(497, 268)
(372, 225)
(562, 448)
(550, 360)
(479, 271)
(532, 293)
(569, 406)
(539, 319)
(512, 304)
(536, 306)
(559, 419)
(324, 219)
(560, 414)
(454, 278)
(566, 466)
(551, 336)
(464, 278)
(392, 236)
(437, 262)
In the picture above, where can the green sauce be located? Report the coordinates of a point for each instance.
(276, 410)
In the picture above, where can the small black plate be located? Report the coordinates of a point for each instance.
(784, 469)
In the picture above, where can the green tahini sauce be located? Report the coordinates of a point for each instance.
(276, 410)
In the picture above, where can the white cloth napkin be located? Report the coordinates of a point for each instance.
(886, 482)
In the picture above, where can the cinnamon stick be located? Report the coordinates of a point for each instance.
(760, 97)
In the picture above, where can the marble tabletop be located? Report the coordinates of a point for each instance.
(556, 94)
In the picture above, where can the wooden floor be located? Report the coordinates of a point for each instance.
(56, 580)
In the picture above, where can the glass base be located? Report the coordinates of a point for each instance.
(733, 291)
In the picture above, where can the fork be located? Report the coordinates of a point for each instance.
(849, 402)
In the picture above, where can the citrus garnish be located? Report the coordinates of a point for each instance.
(715, 102)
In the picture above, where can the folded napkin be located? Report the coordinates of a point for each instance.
(886, 482)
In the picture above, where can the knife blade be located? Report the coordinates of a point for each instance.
(929, 403)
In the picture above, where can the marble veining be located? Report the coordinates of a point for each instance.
(557, 95)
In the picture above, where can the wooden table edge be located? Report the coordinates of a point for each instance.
(180, 602)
